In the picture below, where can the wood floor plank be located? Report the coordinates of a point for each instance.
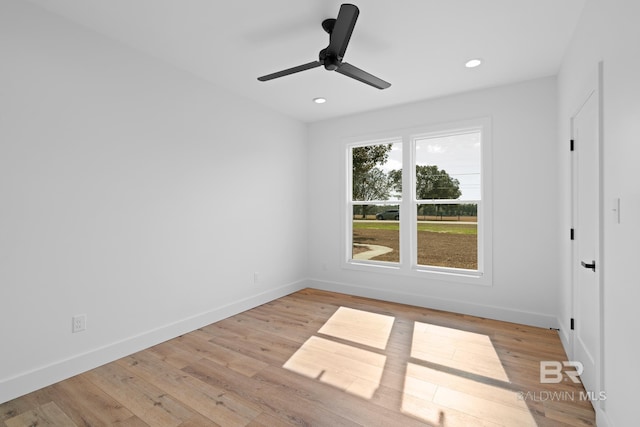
(323, 359)
(172, 353)
(221, 406)
(200, 345)
(280, 402)
(23, 404)
(45, 415)
(149, 403)
(268, 420)
(86, 404)
(263, 346)
(133, 421)
(500, 413)
(346, 404)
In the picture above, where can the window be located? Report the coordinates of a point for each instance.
(423, 209)
(375, 201)
(447, 193)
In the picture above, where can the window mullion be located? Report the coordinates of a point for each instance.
(407, 214)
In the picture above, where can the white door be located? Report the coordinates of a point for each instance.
(586, 193)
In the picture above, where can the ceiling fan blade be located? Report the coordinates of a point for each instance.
(342, 30)
(358, 74)
(288, 71)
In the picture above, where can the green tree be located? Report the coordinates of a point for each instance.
(375, 185)
(367, 157)
(369, 182)
(395, 176)
(431, 183)
(434, 183)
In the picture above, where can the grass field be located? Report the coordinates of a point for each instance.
(428, 218)
(446, 244)
(445, 227)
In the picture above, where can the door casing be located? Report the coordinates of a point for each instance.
(593, 92)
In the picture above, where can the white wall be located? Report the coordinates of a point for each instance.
(526, 269)
(124, 182)
(134, 193)
(608, 32)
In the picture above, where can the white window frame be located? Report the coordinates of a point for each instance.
(351, 203)
(408, 264)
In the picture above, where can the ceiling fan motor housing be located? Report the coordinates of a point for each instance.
(330, 62)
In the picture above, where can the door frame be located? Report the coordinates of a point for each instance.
(593, 87)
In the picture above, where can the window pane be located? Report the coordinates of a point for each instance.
(448, 167)
(376, 235)
(376, 172)
(448, 235)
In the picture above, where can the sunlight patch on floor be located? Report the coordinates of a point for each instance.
(348, 368)
(434, 395)
(454, 348)
(362, 327)
(352, 361)
(454, 379)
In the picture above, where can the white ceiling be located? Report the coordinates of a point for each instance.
(420, 46)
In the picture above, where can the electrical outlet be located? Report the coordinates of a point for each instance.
(256, 278)
(79, 323)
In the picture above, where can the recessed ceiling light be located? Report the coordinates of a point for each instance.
(473, 63)
(319, 100)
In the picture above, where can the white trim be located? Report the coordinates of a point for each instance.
(601, 405)
(566, 339)
(602, 419)
(446, 201)
(541, 320)
(26, 382)
(592, 87)
(466, 277)
(408, 242)
(374, 202)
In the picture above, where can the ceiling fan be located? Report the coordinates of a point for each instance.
(339, 30)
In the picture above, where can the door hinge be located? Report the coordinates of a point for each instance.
(573, 234)
(571, 145)
(573, 324)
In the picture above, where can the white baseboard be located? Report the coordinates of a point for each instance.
(602, 420)
(35, 379)
(565, 338)
(487, 311)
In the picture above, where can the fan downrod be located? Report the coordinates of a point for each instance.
(330, 62)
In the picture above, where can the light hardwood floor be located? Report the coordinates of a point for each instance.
(323, 359)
